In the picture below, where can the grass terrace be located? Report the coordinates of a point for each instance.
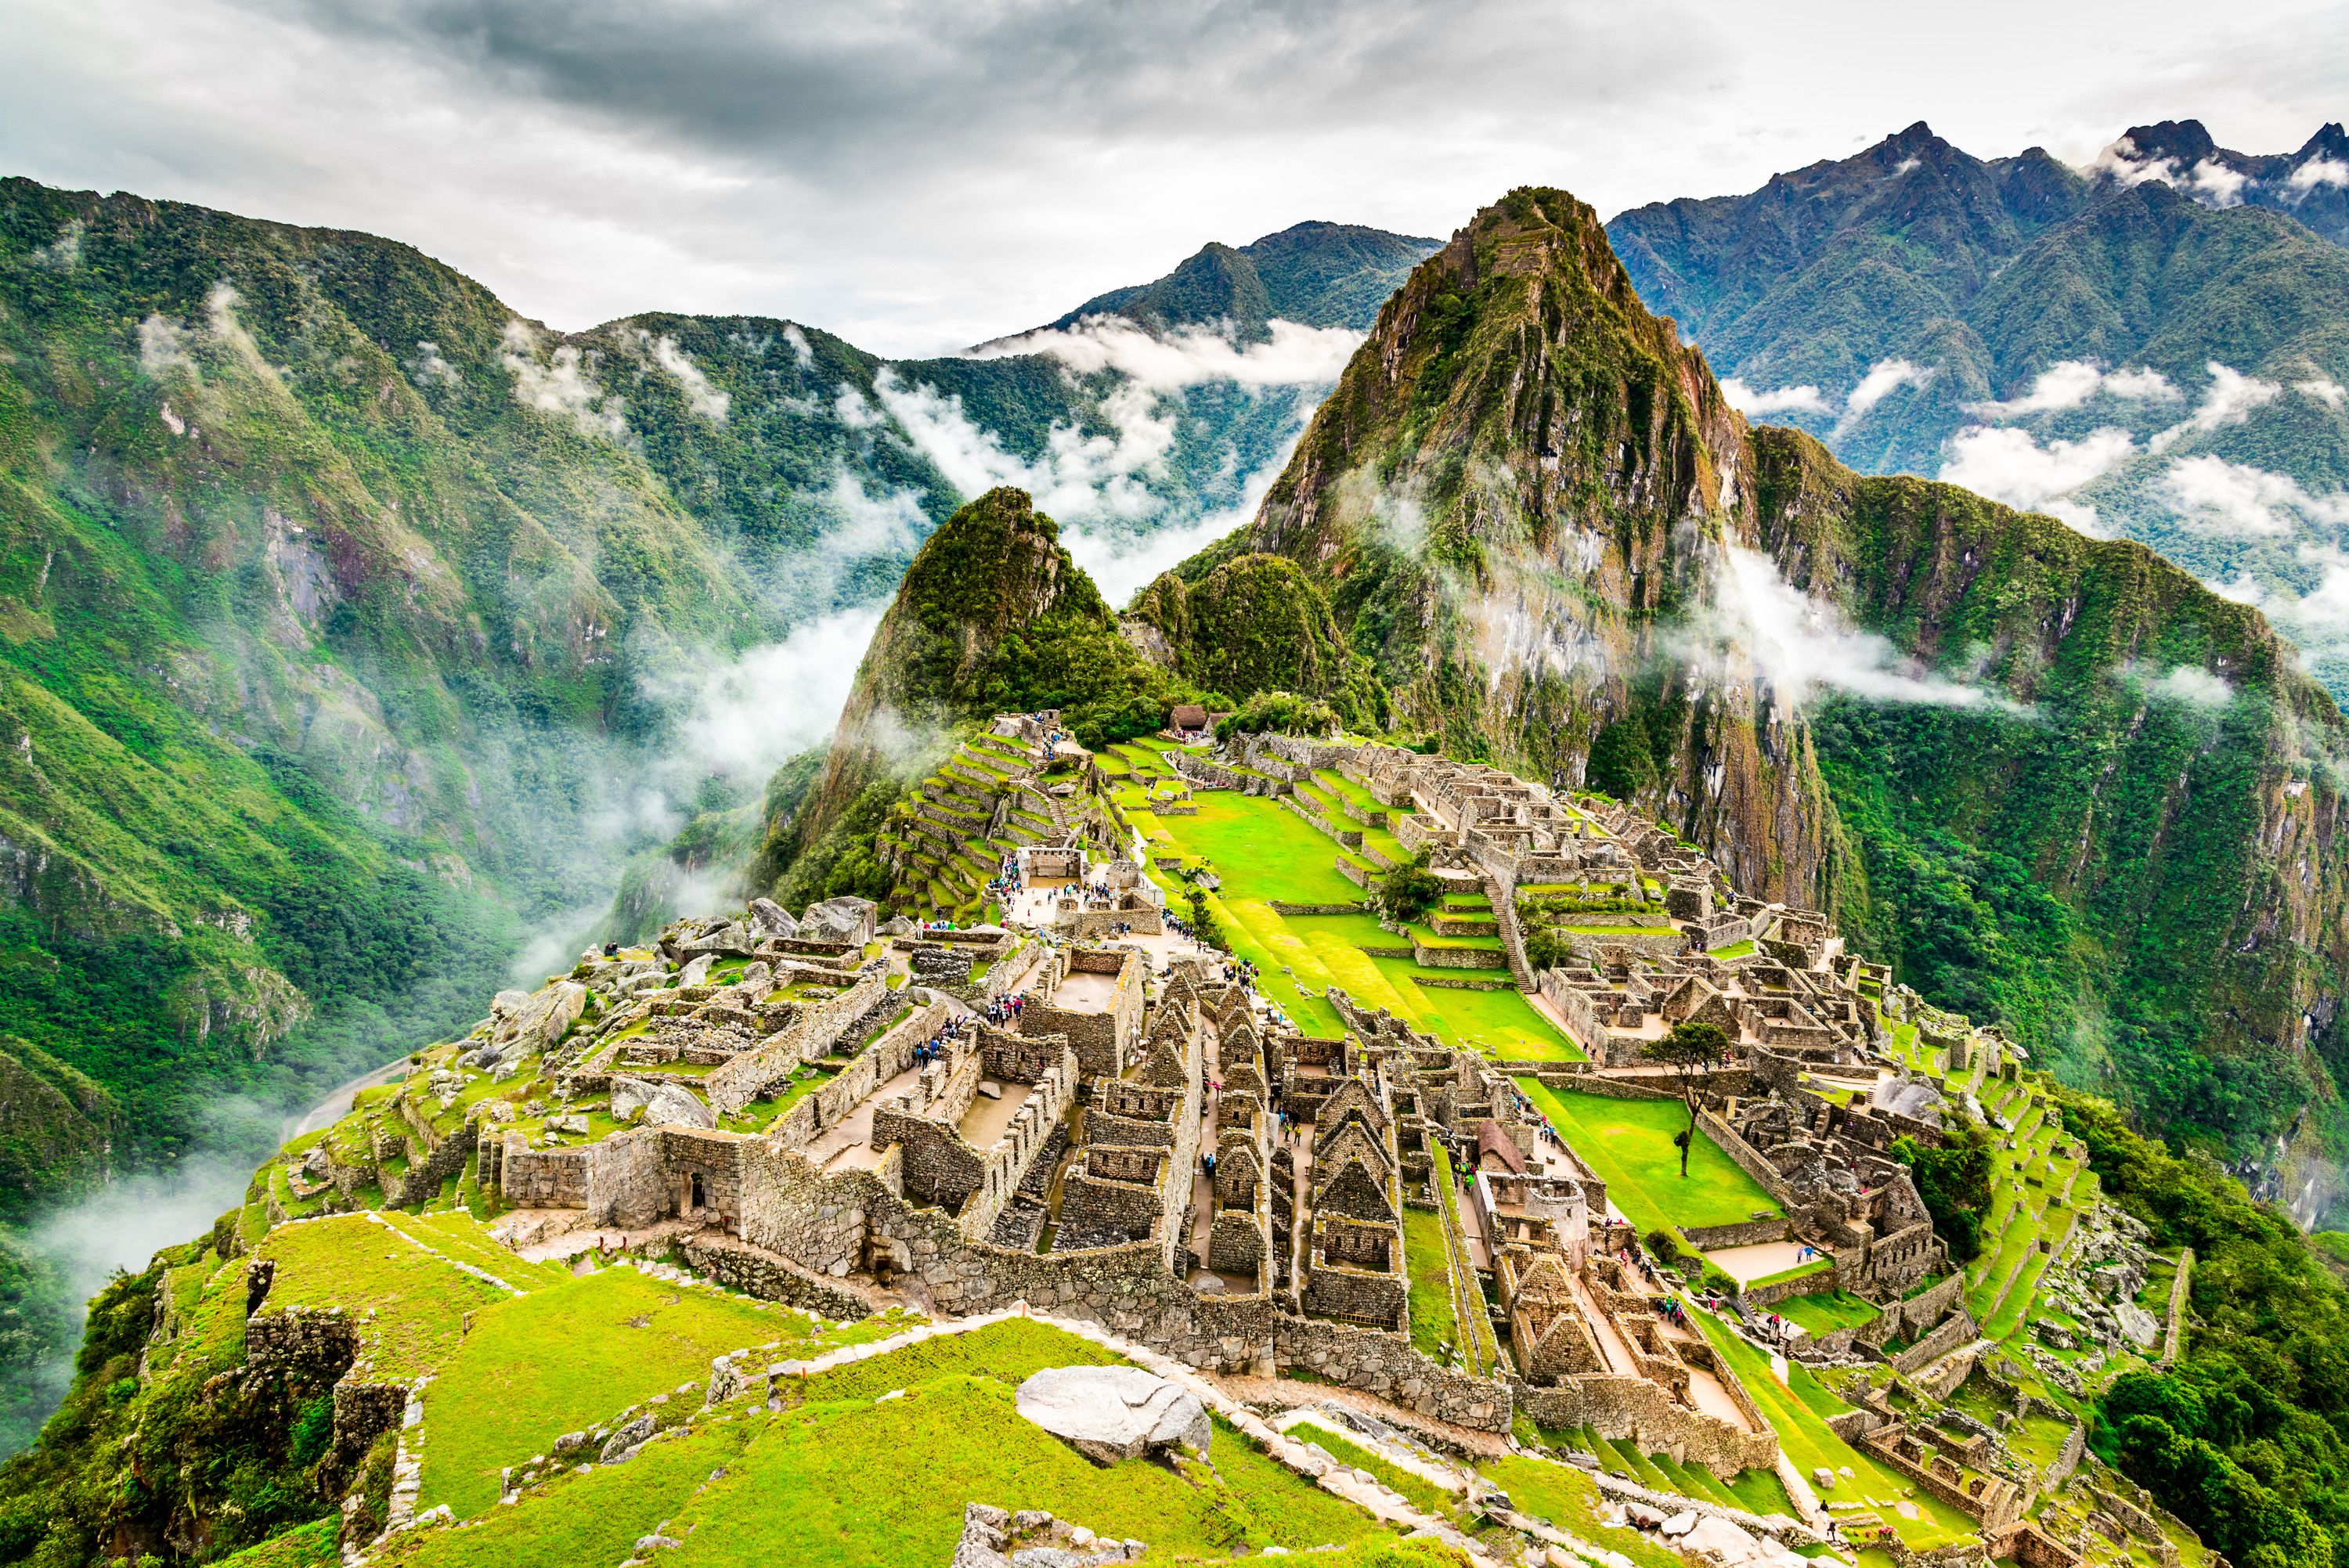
(563, 1359)
(1797, 1408)
(1628, 1143)
(1265, 854)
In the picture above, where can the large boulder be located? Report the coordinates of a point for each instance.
(1112, 1413)
(847, 919)
(524, 1022)
(662, 1103)
(769, 918)
(730, 940)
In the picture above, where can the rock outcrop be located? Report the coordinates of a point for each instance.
(1112, 1413)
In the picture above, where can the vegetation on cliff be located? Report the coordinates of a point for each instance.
(2243, 1437)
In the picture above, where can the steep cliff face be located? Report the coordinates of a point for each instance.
(2100, 798)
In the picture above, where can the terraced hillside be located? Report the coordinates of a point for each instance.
(1291, 874)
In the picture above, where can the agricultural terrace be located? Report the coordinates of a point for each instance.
(1797, 1407)
(2040, 1188)
(1263, 853)
(1627, 1143)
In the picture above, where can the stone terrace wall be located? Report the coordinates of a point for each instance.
(883, 1059)
(1618, 1406)
(1749, 1159)
(1095, 924)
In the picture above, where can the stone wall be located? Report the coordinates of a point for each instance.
(1618, 1407)
(812, 1034)
(1097, 924)
(542, 1177)
(883, 1059)
(1957, 1329)
(307, 1344)
(756, 1272)
(1384, 1364)
(627, 1179)
(1746, 1234)
(1749, 1159)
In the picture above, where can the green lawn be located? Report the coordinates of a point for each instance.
(1263, 854)
(1628, 1143)
(1826, 1311)
(831, 1482)
(1423, 1494)
(563, 1359)
(1434, 1324)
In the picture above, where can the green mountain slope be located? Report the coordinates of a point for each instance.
(2131, 353)
(2064, 784)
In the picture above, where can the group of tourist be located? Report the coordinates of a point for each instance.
(1002, 1010)
(1006, 883)
(936, 1047)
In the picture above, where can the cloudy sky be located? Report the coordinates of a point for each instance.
(918, 175)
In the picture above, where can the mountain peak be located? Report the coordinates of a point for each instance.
(2184, 139)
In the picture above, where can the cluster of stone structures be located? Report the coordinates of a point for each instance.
(838, 1111)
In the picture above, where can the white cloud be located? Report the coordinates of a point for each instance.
(1802, 646)
(747, 716)
(2213, 183)
(2315, 174)
(1077, 477)
(428, 366)
(2078, 515)
(798, 340)
(2141, 384)
(162, 347)
(2069, 382)
(1903, 167)
(1754, 401)
(2324, 389)
(2010, 465)
(2210, 181)
(700, 396)
(64, 252)
(2193, 685)
(2233, 497)
(563, 386)
(2230, 401)
(1295, 356)
(1121, 566)
(1884, 377)
(2121, 163)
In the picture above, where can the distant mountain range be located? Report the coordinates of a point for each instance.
(2155, 347)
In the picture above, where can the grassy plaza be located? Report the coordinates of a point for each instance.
(1264, 854)
(1627, 1143)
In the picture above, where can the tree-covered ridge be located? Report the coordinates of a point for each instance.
(1256, 624)
(2099, 812)
(2242, 1437)
(1316, 274)
(992, 618)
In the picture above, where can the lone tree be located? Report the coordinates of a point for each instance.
(1688, 1049)
(1409, 891)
